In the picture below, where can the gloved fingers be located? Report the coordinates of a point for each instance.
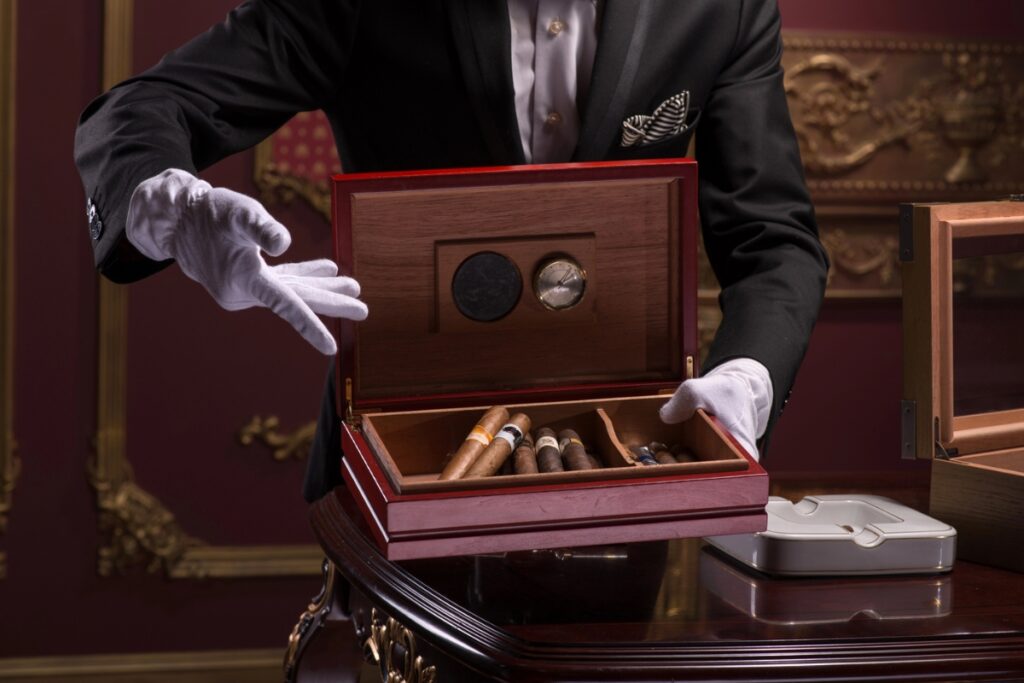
(739, 432)
(251, 220)
(682, 405)
(333, 304)
(750, 448)
(338, 284)
(280, 299)
(321, 267)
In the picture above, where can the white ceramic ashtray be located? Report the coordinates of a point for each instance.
(844, 534)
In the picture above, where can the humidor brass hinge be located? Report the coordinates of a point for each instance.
(689, 367)
(350, 418)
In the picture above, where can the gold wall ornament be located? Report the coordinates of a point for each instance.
(10, 465)
(135, 528)
(310, 621)
(863, 256)
(286, 446)
(824, 110)
(138, 530)
(914, 119)
(391, 647)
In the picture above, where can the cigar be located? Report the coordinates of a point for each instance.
(661, 453)
(526, 457)
(477, 440)
(573, 452)
(505, 441)
(683, 454)
(549, 458)
(665, 458)
(643, 455)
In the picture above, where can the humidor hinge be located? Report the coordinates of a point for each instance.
(350, 418)
(689, 367)
(942, 453)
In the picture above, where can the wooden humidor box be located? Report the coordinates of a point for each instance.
(963, 354)
(417, 374)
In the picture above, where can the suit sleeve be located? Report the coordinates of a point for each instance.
(221, 93)
(758, 222)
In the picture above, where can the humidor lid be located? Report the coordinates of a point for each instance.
(451, 264)
(963, 326)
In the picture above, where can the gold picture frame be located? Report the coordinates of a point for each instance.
(136, 527)
(10, 465)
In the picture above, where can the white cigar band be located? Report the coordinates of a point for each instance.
(547, 442)
(511, 434)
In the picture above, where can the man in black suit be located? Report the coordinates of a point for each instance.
(417, 84)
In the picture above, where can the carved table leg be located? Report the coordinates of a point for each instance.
(309, 623)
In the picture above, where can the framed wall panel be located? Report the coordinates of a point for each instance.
(9, 464)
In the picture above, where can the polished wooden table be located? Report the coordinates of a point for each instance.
(668, 611)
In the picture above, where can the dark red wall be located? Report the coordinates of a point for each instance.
(999, 19)
(842, 416)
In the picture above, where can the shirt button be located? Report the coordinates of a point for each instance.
(553, 119)
(555, 27)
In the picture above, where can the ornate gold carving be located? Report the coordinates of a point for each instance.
(982, 109)
(137, 529)
(10, 465)
(907, 117)
(310, 621)
(824, 110)
(999, 275)
(286, 446)
(860, 256)
(392, 648)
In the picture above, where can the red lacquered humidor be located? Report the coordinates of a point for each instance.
(456, 268)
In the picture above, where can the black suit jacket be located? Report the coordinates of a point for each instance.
(413, 84)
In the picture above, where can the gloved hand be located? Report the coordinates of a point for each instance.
(216, 235)
(738, 392)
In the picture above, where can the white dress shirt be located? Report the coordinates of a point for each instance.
(553, 46)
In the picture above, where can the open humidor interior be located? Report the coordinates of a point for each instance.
(412, 447)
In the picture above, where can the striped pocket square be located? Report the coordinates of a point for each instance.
(668, 119)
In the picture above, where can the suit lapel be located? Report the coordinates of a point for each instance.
(623, 32)
(483, 42)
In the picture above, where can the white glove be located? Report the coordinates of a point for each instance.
(738, 392)
(216, 235)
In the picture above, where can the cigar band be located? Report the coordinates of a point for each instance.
(547, 442)
(564, 443)
(510, 434)
(480, 434)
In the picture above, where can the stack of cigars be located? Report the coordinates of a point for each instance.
(503, 444)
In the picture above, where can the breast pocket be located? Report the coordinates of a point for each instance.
(664, 148)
